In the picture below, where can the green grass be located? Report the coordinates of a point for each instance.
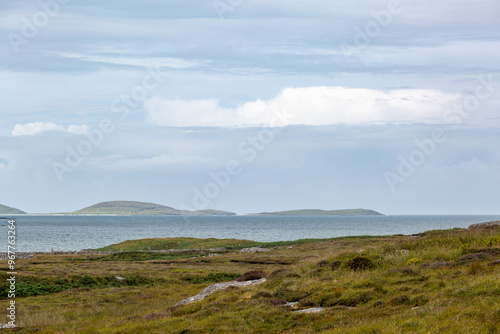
(177, 244)
(211, 278)
(36, 286)
(138, 256)
(194, 243)
(442, 282)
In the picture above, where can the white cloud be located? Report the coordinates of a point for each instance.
(155, 162)
(78, 129)
(309, 106)
(36, 128)
(158, 62)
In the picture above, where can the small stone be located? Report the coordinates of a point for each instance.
(311, 310)
(254, 250)
(216, 287)
(292, 305)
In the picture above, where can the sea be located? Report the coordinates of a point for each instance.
(74, 233)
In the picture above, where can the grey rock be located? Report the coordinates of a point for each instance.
(292, 305)
(216, 287)
(254, 250)
(311, 310)
(24, 256)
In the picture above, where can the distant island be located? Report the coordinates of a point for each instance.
(7, 210)
(142, 208)
(130, 208)
(315, 212)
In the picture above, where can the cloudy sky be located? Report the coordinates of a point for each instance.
(251, 105)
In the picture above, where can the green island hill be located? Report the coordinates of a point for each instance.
(6, 210)
(315, 212)
(142, 208)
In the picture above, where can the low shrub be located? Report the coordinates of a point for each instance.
(400, 300)
(413, 261)
(212, 278)
(475, 268)
(360, 263)
(335, 264)
(36, 286)
(252, 275)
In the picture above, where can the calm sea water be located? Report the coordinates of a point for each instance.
(43, 233)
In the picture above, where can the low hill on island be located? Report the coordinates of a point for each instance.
(7, 210)
(142, 208)
(314, 212)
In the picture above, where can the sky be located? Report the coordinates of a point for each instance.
(251, 105)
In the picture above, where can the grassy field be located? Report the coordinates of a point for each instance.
(441, 282)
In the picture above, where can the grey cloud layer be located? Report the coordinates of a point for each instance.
(94, 52)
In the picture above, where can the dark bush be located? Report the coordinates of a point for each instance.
(335, 264)
(212, 278)
(360, 263)
(36, 286)
(322, 263)
(400, 300)
(252, 275)
(262, 294)
(85, 280)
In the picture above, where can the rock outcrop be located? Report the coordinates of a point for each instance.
(255, 250)
(487, 224)
(216, 287)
